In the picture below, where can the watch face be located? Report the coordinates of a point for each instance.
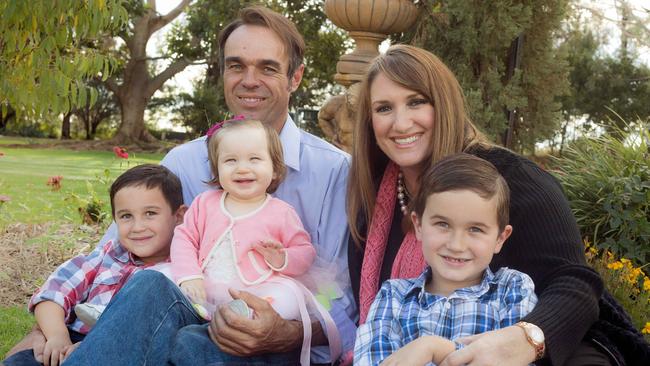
(537, 335)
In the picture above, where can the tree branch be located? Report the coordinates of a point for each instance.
(111, 85)
(171, 70)
(161, 21)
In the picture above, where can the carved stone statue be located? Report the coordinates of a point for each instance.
(336, 117)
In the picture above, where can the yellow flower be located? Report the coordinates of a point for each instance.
(615, 266)
(646, 329)
(593, 250)
(625, 261)
(646, 284)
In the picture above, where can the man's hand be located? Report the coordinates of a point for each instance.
(272, 251)
(267, 332)
(195, 289)
(421, 351)
(35, 341)
(55, 348)
(507, 347)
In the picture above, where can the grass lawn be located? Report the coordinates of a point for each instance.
(24, 173)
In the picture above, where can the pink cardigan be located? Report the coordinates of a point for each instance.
(207, 220)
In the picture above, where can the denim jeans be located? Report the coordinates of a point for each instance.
(138, 326)
(193, 346)
(151, 322)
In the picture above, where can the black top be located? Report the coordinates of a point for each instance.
(546, 244)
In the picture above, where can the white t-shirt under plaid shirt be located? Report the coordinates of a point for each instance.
(403, 311)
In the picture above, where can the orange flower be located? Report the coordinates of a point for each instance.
(646, 329)
(615, 266)
(55, 182)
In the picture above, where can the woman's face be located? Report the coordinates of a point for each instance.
(402, 120)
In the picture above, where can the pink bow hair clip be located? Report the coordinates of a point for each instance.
(215, 127)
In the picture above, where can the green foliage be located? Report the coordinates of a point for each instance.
(607, 182)
(16, 322)
(603, 86)
(44, 53)
(476, 40)
(91, 206)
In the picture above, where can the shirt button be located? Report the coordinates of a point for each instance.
(447, 305)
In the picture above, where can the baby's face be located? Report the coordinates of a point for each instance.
(145, 222)
(459, 234)
(244, 163)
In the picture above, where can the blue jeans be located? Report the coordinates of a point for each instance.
(193, 346)
(148, 321)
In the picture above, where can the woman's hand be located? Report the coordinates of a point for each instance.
(69, 349)
(507, 347)
(195, 289)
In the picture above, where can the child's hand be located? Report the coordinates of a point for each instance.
(272, 251)
(69, 349)
(421, 351)
(195, 289)
(54, 350)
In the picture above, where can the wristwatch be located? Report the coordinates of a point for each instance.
(535, 337)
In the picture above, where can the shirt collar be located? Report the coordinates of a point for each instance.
(290, 138)
(122, 255)
(417, 287)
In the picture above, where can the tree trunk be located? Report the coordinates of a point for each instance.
(65, 126)
(132, 128)
(138, 85)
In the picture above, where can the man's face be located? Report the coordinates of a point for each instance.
(255, 75)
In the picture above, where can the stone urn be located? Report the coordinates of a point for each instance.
(369, 22)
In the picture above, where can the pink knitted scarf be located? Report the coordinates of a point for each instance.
(409, 261)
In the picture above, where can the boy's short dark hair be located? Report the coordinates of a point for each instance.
(465, 172)
(150, 176)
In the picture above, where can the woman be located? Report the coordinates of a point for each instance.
(411, 114)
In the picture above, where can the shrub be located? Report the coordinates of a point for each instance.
(630, 285)
(607, 182)
(90, 206)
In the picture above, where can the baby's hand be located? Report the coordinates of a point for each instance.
(195, 290)
(272, 251)
(54, 350)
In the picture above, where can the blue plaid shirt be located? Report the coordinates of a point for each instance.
(404, 311)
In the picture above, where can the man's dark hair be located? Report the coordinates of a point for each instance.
(150, 176)
(284, 28)
(465, 172)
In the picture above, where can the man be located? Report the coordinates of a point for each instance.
(261, 56)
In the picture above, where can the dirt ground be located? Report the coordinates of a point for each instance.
(24, 266)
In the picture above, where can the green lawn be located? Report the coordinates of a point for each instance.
(24, 173)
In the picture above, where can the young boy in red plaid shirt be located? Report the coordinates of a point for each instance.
(147, 204)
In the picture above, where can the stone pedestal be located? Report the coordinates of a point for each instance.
(369, 23)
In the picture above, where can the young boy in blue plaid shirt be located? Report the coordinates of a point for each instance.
(460, 215)
(147, 204)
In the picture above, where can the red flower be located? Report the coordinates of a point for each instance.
(120, 152)
(55, 182)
